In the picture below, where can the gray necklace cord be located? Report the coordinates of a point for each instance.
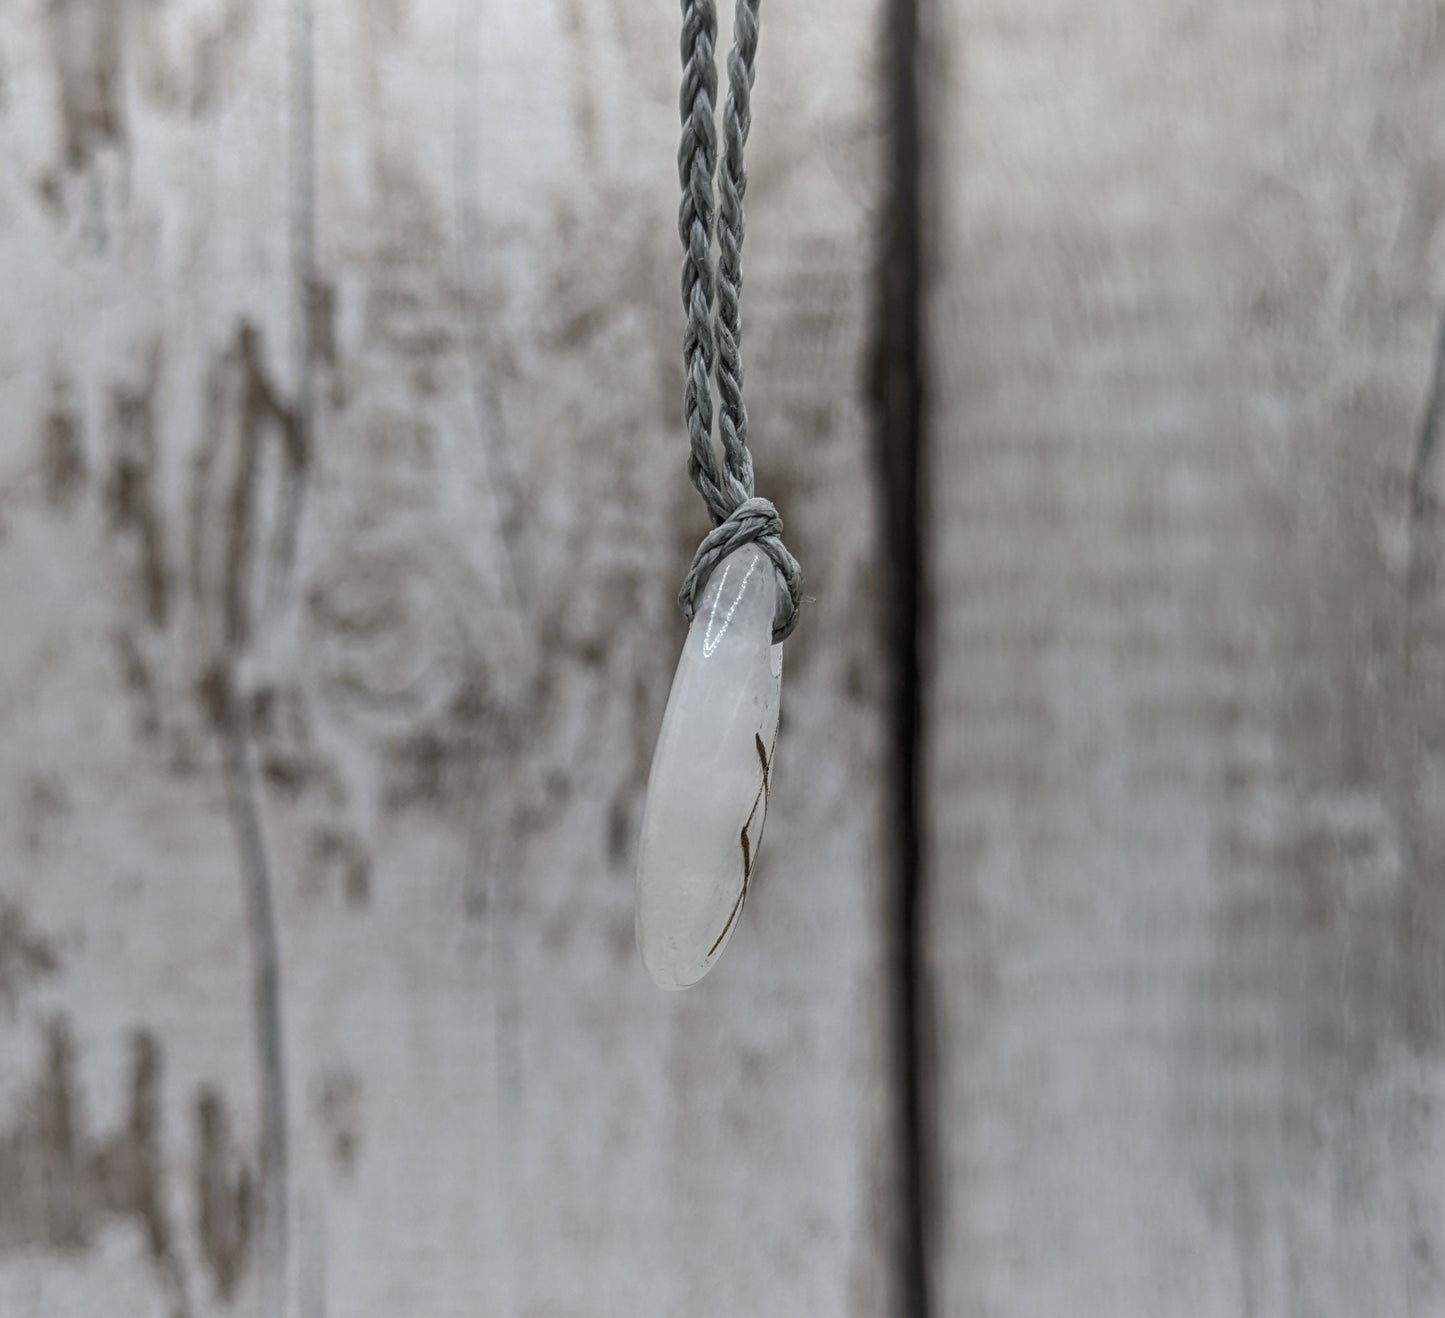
(739, 515)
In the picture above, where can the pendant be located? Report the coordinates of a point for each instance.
(707, 794)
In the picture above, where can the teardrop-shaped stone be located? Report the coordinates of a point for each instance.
(707, 796)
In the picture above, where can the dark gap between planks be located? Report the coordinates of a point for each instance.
(899, 392)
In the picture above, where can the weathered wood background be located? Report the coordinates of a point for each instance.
(1187, 770)
(341, 512)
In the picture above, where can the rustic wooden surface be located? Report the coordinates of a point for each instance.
(341, 512)
(341, 515)
(1187, 757)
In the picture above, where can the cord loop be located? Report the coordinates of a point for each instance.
(754, 520)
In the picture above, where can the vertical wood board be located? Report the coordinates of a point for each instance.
(342, 508)
(1185, 913)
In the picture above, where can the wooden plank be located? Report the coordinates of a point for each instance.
(1185, 912)
(341, 515)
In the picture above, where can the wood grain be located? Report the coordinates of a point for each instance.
(1185, 905)
(342, 509)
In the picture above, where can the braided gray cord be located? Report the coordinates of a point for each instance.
(739, 516)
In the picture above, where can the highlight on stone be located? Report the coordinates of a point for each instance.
(707, 795)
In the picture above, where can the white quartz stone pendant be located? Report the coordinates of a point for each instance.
(707, 795)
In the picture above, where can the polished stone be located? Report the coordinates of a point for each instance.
(707, 795)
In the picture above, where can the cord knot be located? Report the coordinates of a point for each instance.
(754, 519)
